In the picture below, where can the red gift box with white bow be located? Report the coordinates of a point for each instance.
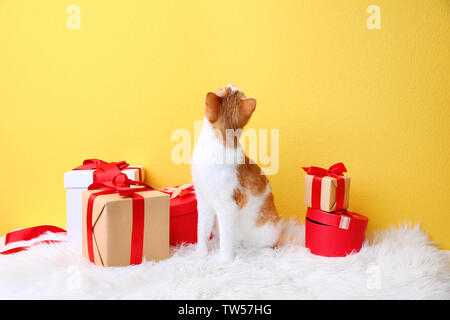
(183, 214)
(334, 234)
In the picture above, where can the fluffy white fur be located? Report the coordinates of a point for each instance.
(214, 174)
(406, 263)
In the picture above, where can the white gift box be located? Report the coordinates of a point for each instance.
(75, 182)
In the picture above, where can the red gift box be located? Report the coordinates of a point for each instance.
(183, 214)
(334, 234)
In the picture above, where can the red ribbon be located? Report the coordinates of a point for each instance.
(20, 249)
(106, 171)
(122, 185)
(336, 171)
(29, 234)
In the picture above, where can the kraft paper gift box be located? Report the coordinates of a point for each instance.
(77, 181)
(119, 235)
(327, 190)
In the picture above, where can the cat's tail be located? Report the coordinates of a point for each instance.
(292, 233)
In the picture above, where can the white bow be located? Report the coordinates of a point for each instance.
(176, 191)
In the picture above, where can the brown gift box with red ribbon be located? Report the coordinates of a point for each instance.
(327, 190)
(120, 229)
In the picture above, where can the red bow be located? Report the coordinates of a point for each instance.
(90, 164)
(106, 171)
(122, 185)
(336, 169)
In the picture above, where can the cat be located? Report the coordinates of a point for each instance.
(229, 186)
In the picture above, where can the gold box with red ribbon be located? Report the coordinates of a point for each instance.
(124, 225)
(327, 189)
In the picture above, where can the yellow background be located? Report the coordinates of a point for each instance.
(378, 100)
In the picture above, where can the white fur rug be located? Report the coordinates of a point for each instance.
(394, 264)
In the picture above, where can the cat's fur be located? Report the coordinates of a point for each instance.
(228, 184)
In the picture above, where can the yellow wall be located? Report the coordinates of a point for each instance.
(115, 89)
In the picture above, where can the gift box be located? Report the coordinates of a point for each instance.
(327, 190)
(183, 214)
(77, 180)
(334, 234)
(121, 228)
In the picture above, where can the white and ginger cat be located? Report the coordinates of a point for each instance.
(228, 184)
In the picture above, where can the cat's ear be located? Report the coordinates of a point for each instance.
(212, 106)
(223, 92)
(248, 105)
